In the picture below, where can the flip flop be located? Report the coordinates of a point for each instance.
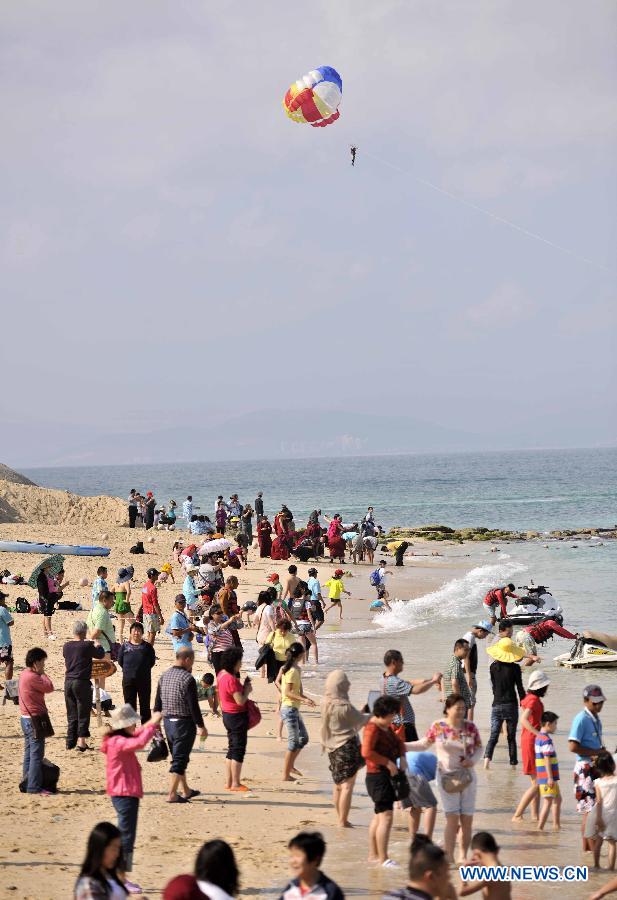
(179, 799)
(193, 793)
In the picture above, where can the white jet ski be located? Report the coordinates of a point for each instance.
(593, 650)
(538, 605)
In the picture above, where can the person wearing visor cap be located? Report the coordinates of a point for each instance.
(479, 632)
(585, 740)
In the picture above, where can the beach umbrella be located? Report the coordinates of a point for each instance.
(55, 563)
(216, 546)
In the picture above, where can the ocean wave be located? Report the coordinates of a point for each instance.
(455, 599)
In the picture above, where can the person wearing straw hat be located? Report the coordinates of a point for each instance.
(122, 593)
(123, 774)
(506, 681)
(531, 721)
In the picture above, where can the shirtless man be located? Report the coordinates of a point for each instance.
(485, 852)
(292, 582)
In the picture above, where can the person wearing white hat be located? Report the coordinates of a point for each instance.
(123, 774)
(585, 739)
(531, 719)
(479, 632)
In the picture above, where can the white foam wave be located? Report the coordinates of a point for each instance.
(458, 597)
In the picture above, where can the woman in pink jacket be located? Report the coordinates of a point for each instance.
(123, 773)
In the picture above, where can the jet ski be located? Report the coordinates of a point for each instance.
(538, 605)
(593, 650)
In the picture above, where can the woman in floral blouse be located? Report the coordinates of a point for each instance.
(458, 748)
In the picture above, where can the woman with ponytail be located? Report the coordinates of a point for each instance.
(292, 697)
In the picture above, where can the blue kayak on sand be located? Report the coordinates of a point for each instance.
(47, 549)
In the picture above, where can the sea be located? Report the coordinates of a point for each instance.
(539, 491)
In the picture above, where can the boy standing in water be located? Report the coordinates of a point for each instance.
(547, 768)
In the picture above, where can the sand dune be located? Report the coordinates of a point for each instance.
(20, 502)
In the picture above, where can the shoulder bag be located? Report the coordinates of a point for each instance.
(41, 725)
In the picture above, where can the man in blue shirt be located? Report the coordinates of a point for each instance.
(318, 605)
(179, 626)
(585, 739)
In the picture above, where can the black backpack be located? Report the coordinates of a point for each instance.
(51, 774)
(22, 605)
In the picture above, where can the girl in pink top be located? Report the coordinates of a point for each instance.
(123, 773)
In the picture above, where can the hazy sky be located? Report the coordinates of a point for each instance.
(175, 249)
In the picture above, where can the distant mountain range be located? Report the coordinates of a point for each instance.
(266, 434)
(269, 434)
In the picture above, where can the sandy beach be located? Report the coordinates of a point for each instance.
(259, 824)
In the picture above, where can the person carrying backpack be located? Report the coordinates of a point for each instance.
(378, 581)
(301, 610)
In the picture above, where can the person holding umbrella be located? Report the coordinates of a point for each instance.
(43, 581)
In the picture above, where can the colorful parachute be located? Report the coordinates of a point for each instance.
(315, 98)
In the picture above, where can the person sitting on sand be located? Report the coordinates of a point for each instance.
(306, 853)
(485, 852)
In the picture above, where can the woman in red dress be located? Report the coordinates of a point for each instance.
(336, 544)
(533, 708)
(264, 537)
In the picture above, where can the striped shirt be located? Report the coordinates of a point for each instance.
(545, 757)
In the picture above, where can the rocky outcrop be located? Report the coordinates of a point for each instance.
(14, 477)
(460, 535)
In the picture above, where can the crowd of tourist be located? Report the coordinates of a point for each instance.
(422, 772)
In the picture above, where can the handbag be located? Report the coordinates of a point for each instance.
(158, 749)
(263, 655)
(114, 650)
(254, 714)
(400, 783)
(41, 725)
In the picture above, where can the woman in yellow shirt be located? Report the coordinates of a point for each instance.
(280, 640)
(292, 697)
